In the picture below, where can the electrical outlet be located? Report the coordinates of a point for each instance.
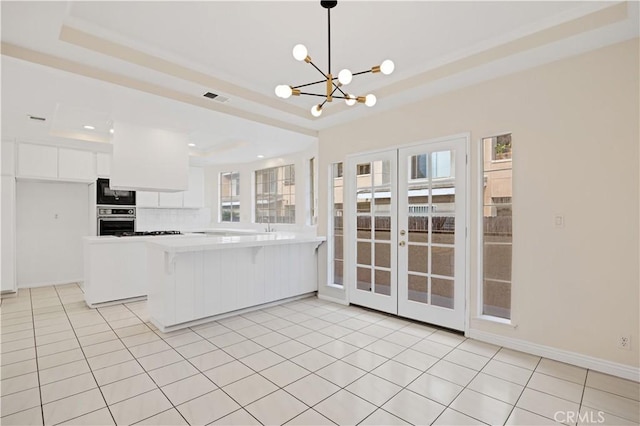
(624, 342)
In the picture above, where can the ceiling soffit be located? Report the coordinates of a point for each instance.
(545, 36)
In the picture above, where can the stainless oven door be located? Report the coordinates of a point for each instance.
(115, 225)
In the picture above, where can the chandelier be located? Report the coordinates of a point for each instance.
(333, 88)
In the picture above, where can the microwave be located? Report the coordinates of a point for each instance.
(113, 197)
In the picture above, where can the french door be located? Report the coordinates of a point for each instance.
(407, 228)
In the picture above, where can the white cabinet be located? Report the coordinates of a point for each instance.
(7, 164)
(74, 164)
(8, 227)
(37, 161)
(171, 199)
(194, 196)
(149, 159)
(103, 165)
(146, 199)
(53, 163)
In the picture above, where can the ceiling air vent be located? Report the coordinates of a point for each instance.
(216, 97)
(33, 117)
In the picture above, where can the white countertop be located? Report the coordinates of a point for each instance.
(199, 242)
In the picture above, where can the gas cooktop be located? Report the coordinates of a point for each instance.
(148, 233)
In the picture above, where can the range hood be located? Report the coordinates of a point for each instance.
(148, 159)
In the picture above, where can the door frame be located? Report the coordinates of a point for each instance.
(349, 211)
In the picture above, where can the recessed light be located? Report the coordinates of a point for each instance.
(192, 144)
(111, 131)
(86, 126)
(260, 156)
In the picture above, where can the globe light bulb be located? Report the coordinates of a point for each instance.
(316, 111)
(345, 77)
(351, 100)
(283, 91)
(370, 100)
(299, 52)
(387, 67)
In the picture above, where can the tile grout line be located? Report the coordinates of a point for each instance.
(334, 339)
(87, 361)
(143, 369)
(525, 387)
(35, 348)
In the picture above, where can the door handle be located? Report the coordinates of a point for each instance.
(402, 243)
(403, 232)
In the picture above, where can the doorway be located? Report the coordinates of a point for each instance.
(407, 242)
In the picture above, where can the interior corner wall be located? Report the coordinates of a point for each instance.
(574, 125)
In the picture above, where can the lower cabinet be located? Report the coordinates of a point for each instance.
(189, 286)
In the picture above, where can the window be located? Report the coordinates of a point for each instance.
(501, 148)
(364, 169)
(497, 235)
(336, 254)
(275, 190)
(230, 197)
(441, 165)
(313, 217)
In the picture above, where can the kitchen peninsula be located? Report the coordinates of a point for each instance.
(194, 279)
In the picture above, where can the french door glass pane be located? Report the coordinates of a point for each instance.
(442, 261)
(443, 229)
(431, 228)
(418, 288)
(373, 224)
(363, 253)
(383, 255)
(442, 292)
(364, 279)
(382, 282)
(418, 256)
(383, 228)
(364, 227)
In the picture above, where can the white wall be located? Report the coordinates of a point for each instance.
(575, 134)
(51, 219)
(301, 161)
(172, 219)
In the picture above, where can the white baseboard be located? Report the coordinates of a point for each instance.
(585, 361)
(333, 299)
(48, 283)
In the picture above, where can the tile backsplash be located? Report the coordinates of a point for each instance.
(172, 219)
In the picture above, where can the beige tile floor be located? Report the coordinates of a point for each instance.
(307, 362)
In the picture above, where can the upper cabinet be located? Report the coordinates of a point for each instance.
(49, 162)
(37, 161)
(192, 198)
(103, 165)
(74, 164)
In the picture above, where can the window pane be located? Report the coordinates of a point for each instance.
(275, 195)
(230, 197)
(338, 242)
(497, 226)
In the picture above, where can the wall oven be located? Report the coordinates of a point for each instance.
(113, 197)
(115, 220)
